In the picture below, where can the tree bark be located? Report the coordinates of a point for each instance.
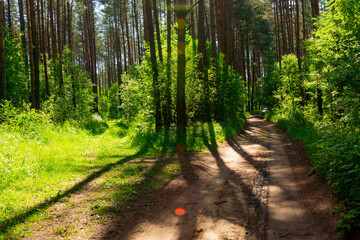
(298, 51)
(167, 109)
(150, 28)
(44, 49)
(9, 16)
(137, 31)
(156, 17)
(202, 67)
(212, 31)
(127, 33)
(58, 18)
(180, 97)
(34, 54)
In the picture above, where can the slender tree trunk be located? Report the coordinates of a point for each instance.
(53, 30)
(9, 15)
(22, 30)
(137, 31)
(123, 36)
(277, 30)
(58, 18)
(150, 28)
(2, 55)
(213, 27)
(298, 51)
(180, 97)
(192, 19)
(34, 53)
(202, 67)
(92, 39)
(218, 25)
(156, 17)
(248, 67)
(303, 7)
(127, 33)
(167, 110)
(146, 34)
(44, 50)
(283, 29)
(315, 13)
(118, 47)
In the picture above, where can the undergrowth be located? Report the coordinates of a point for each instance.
(334, 150)
(42, 162)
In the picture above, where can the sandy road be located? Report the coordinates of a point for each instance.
(243, 190)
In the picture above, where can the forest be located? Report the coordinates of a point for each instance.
(89, 85)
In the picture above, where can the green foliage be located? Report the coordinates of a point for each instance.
(95, 125)
(17, 74)
(230, 91)
(270, 85)
(289, 91)
(225, 88)
(74, 99)
(109, 102)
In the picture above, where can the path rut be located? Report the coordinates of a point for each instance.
(243, 190)
(255, 186)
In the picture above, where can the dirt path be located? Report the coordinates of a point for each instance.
(255, 186)
(246, 190)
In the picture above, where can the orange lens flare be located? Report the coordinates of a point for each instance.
(180, 211)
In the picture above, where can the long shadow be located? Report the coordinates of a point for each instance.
(234, 176)
(125, 225)
(7, 224)
(228, 175)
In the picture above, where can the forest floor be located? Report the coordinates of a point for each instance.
(257, 185)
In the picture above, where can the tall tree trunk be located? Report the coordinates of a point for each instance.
(92, 39)
(2, 55)
(53, 30)
(167, 110)
(283, 28)
(156, 17)
(277, 31)
(202, 67)
(34, 53)
(58, 18)
(212, 32)
(146, 34)
(118, 47)
(180, 97)
(248, 67)
(22, 30)
(218, 25)
(192, 19)
(9, 16)
(123, 36)
(319, 94)
(298, 51)
(127, 33)
(137, 31)
(44, 49)
(150, 28)
(303, 7)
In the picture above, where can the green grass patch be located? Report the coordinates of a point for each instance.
(334, 150)
(42, 163)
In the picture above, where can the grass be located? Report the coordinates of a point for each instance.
(42, 163)
(334, 150)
